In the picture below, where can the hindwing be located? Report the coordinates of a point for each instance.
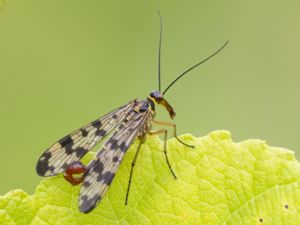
(101, 171)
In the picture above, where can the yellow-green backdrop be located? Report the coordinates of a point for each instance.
(65, 63)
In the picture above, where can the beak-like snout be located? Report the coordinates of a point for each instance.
(168, 107)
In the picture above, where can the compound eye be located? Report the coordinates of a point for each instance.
(152, 94)
(156, 95)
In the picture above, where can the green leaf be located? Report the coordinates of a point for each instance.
(219, 182)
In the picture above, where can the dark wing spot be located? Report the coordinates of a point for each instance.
(123, 147)
(69, 150)
(88, 204)
(100, 132)
(65, 141)
(261, 220)
(86, 184)
(84, 132)
(81, 152)
(43, 164)
(115, 159)
(51, 168)
(113, 143)
(96, 166)
(97, 123)
(106, 178)
(286, 206)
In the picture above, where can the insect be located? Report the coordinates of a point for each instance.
(123, 125)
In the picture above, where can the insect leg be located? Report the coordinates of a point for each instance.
(142, 140)
(165, 131)
(170, 124)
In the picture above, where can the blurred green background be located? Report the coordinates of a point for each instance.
(65, 63)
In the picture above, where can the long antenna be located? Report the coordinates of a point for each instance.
(193, 67)
(159, 51)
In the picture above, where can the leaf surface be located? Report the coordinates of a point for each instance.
(219, 182)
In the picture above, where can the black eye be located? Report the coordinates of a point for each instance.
(156, 95)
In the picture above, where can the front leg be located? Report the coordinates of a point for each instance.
(170, 124)
(165, 132)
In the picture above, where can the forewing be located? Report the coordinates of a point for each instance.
(102, 169)
(74, 146)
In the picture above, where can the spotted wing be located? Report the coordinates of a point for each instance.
(74, 146)
(102, 169)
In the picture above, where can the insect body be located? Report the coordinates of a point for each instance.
(123, 125)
